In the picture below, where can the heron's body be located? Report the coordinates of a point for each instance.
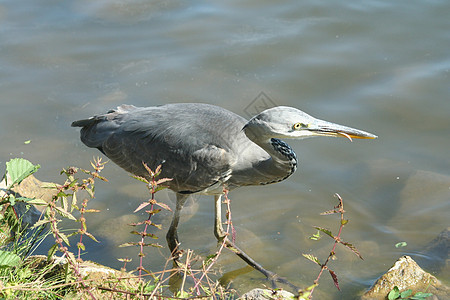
(201, 147)
(205, 148)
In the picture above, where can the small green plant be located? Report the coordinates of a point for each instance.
(396, 294)
(339, 209)
(17, 170)
(153, 185)
(12, 228)
(18, 273)
(8, 259)
(60, 206)
(64, 209)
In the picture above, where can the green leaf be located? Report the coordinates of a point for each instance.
(74, 202)
(102, 178)
(315, 236)
(18, 169)
(41, 222)
(159, 226)
(156, 245)
(137, 224)
(352, 248)
(406, 293)
(312, 258)
(12, 199)
(65, 213)
(150, 288)
(65, 203)
(37, 202)
(209, 259)
(145, 234)
(23, 199)
(335, 279)
(127, 245)
(329, 212)
(51, 251)
(421, 296)
(81, 246)
(162, 180)
(8, 259)
(73, 183)
(149, 170)
(401, 244)
(73, 234)
(160, 188)
(163, 206)
(142, 179)
(153, 211)
(91, 236)
(151, 235)
(10, 217)
(64, 238)
(49, 185)
(182, 294)
(305, 294)
(141, 206)
(90, 191)
(325, 230)
(61, 194)
(394, 293)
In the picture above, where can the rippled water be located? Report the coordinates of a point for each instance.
(381, 66)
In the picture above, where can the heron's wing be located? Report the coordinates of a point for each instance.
(193, 142)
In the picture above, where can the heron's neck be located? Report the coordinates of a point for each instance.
(281, 164)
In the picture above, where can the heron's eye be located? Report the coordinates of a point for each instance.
(298, 126)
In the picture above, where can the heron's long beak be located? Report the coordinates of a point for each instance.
(325, 128)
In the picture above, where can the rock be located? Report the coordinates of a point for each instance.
(116, 229)
(406, 274)
(262, 294)
(32, 188)
(29, 213)
(435, 256)
(423, 206)
(103, 279)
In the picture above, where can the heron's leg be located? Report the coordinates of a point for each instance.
(172, 235)
(221, 236)
(218, 229)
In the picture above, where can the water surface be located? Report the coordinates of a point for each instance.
(380, 66)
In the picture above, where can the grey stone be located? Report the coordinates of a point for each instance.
(264, 294)
(406, 274)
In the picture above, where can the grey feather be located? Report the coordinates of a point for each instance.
(193, 142)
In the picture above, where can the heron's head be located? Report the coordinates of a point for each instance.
(289, 122)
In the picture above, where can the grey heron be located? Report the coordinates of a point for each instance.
(206, 148)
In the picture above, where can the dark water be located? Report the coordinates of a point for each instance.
(381, 66)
